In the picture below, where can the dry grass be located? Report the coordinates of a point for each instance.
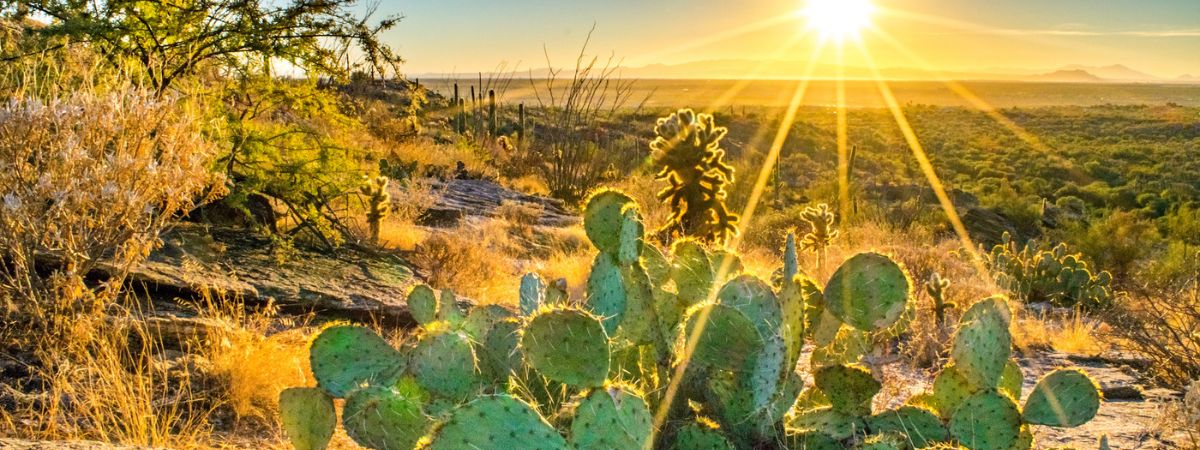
(1074, 334)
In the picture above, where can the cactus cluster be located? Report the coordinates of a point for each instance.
(682, 352)
(1055, 275)
(687, 153)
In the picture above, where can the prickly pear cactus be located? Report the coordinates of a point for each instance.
(716, 352)
(1063, 398)
(346, 358)
(611, 417)
(568, 346)
(308, 417)
(496, 421)
(868, 292)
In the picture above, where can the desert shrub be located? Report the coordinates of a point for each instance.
(461, 259)
(91, 180)
(1160, 324)
(1117, 241)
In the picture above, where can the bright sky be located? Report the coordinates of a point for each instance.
(1161, 37)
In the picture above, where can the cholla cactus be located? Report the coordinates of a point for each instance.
(936, 288)
(821, 231)
(729, 347)
(379, 204)
(687, 154)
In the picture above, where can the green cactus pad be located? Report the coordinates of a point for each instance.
(949, 391)
(885, 441)
(700, 437)
(981, 349)
(496, 422)
(632, 236)
(921, 425)
(734, 266)
(669, 310)
(1012, 380)
(869, 292)
(995, 306)
(727, 339)
(754, 299)
(638, 323)
(656, 265)
(810, 440)
(792, 304)
(422, 304)
(987, 421)
(791, 259)
(1064, 398)
(498, 355)
(481, 319)
(849, 388)
(693, 271)
(767, 373)
(345, 358)
(606, 292)
(444, 364)
(810, 399)
(449, 310)
(602, 219)
(385, 419)
(610, 418)
(532, 294)
(308, 417)
(847, 348)
(828, 421)
(568, 346)
(826, 328)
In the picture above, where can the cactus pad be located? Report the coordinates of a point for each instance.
(498, 354)
(345, 358)
(987, 421)
(981, 349)
(727, 338)
(308, 417)
(700, 437)
(922, 426)
(385, 419)
(632, 236)
(444, 364)
(811, 440)
(606, 292)
(868, 292)
(449, 310)
(602, 219)
(481, 319)
(755, 300)
(949, 391)
(568, 346)
(422, 304)
(496, 421)
(639, 321)
(849, 388)
(1064, 398)
(1011, 380)
(828, 421)
(532, 294)
(693, 271)
(656, 265)
(612, 417)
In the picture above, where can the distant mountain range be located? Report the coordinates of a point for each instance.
(740, 68)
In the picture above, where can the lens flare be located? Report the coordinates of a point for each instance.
(838, 19)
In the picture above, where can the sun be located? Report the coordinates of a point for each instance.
(838, 19)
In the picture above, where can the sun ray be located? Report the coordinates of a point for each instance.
(718, 37)
(939, 190)
(843, 136)
(745, 222)
(752, 75)
(974, 27)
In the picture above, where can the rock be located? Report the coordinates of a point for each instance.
(197, 261)
(461, 198)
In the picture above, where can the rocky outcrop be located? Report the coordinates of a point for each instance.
(351, 283)
(460, 199)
